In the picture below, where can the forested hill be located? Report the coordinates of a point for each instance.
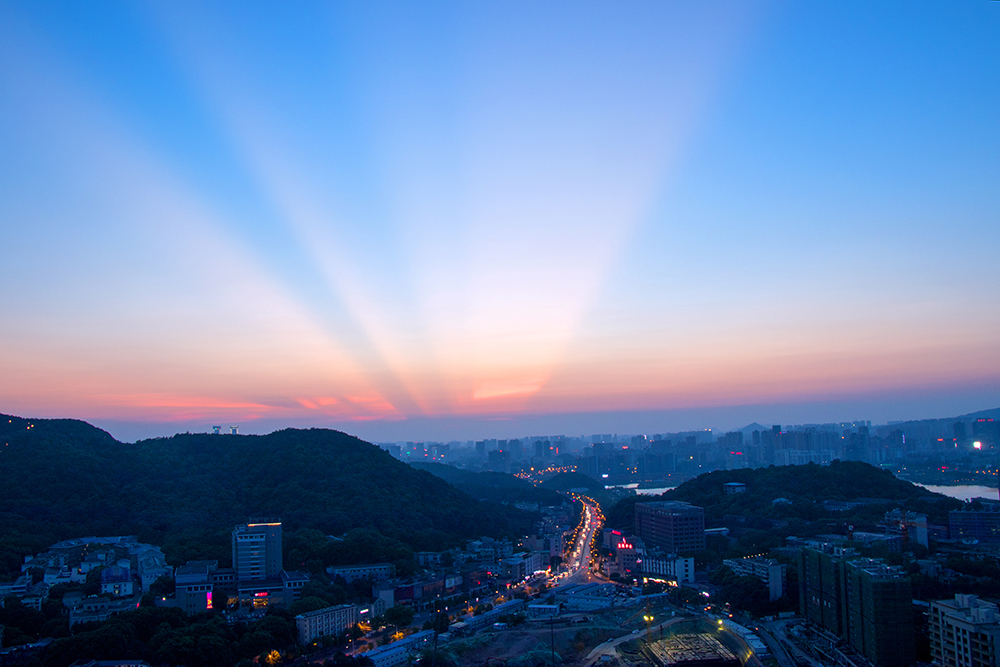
(806, 487)
(495, 486)
(67, 479)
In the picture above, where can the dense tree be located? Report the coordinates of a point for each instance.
(68, 479)
(399, 615)
(804, 488)
(493, 486)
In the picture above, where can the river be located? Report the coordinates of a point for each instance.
(963, 492)
(642, 492)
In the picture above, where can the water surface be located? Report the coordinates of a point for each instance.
(963, 492)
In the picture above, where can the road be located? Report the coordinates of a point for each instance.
(777, 647)
(778, 631)
(578, 557)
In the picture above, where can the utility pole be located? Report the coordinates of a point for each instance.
(552, 637)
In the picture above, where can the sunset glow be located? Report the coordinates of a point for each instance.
(346, 216)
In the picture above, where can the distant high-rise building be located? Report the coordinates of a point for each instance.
(516, 448)
(234, 430)
(499, 461)
(543, 449)
(257, 550)
(671, 525)
(986, 432)
(959, 429)
(216, 430)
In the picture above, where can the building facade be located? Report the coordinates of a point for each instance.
(965, 632)
(678, 568)
(194, 586)
(257, 551)
(328, 621)
(769, 571)
(672, 526)
(375, 572)
(862, 600)
(975, 524)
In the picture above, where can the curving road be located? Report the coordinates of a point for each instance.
(578, 556)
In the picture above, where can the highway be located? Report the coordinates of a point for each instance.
(578, 555)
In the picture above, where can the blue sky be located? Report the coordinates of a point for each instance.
(443, 221)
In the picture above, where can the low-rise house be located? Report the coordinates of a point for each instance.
(429, 558)
(57, 575)
(678, 568)
(193, 586)
(769, 571)
(99, 609)
(32, 602)
(375, 572)
(117, 581)
(327, 621)
(543, 611)
(18, 587)
(110, 663)
(292, 582)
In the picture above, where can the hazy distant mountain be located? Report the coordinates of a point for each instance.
(66, 478)
(993, 413)
(747, 431)
(565, 481)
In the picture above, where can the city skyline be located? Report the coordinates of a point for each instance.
(487, 220)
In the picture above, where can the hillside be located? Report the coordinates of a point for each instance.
(66, 479)
(565, 481)
(493, 486)
(805, 487)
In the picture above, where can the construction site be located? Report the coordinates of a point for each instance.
(606, 638)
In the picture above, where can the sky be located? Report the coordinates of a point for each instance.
(442, 220)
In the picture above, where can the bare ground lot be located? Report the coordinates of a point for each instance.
(531, 644)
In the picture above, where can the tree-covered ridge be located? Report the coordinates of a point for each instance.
(495, 486)
(68, 479)
(565, 481)
(805, 488)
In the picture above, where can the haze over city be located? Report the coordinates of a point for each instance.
(486, 220)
